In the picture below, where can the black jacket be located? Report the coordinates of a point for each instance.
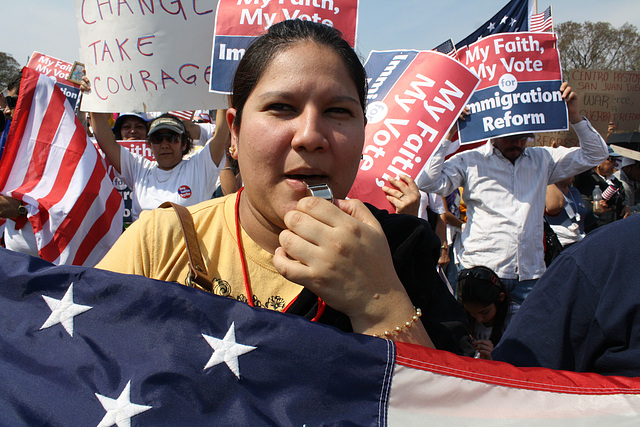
(415, 249)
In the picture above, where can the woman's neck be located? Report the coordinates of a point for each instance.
(261, 231)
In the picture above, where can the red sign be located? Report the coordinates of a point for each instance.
(408, 117)
(253, 18)
(52, 67)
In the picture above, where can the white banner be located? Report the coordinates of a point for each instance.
(147, 55)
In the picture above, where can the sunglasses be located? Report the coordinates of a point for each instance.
(11, 101)
(171, 138)
(479, 274)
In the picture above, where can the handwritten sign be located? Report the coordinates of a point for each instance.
(58, 70)
(239, 22)
(147, 55)
(519, 92)
(608, 96)
(414, 98)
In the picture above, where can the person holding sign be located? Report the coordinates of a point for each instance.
(171, 177)
(505, 186)
(297, 123)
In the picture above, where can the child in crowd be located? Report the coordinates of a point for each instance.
(488, 306)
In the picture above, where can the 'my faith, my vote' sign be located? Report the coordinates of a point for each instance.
(414, 98)
(519, 91)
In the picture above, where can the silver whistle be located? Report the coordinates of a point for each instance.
(321, 190)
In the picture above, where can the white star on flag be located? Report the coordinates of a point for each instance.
(491, 26)
(504, 19)
(120, 410)
(513, 21)
(227, 350)
(63, 311)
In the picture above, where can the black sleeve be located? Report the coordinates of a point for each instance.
(415, 249)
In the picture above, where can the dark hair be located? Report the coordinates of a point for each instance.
(186, 138)
(117, 127)
(480, 285)
(280, 37)
(14, 83)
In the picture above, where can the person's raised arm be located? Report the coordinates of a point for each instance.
(432, 179)
(593, 150)
(218, 142)
(103, 133)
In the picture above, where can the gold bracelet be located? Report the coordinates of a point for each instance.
(398, 329)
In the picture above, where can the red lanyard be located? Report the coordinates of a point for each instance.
(245, 273)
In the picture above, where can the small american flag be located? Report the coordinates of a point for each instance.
(541, 22)
(184, 115)
(447, 47)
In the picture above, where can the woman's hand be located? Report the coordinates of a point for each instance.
(405, 196)
(483, 348)
(340, 253)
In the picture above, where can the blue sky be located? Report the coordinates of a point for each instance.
(49, 26)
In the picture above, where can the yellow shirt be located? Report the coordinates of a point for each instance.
(153, 246)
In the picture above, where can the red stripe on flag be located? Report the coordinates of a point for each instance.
(503, 374)
(19, 123)
(70, 225)
(72, 156)
(99, 229)
(50, 124)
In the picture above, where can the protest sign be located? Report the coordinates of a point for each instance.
(58, 70)
(239, 22)
(608, 96)
(519, 91)
(147, 55)
(414, 98)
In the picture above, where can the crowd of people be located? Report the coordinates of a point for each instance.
(460, 265)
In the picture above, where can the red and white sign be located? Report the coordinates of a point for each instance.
(408, 118)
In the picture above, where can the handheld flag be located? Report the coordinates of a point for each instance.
(51, 165)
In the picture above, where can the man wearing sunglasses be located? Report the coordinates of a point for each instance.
(504, 185)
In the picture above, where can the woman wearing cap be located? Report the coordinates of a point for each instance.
(131, 126)
(170, 178)
(297, 121)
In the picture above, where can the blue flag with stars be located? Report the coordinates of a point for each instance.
(87, 347)
(514, 17)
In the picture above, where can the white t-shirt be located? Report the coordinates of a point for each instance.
(192, 181)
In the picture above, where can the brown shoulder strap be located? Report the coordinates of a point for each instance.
(197, 269)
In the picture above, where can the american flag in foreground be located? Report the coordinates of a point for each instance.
(82, 346)
(542, 21)
(50, 164)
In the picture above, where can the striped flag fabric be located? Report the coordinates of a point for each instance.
(82, 346)
(51, 165)
(184, 114)
(542, 21)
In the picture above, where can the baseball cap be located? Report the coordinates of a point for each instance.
(166, 123)
(121, 117)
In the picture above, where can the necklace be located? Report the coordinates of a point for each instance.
(168, 178)
(245, 273)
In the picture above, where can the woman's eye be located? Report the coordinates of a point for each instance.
(279, 107)
(340, 110)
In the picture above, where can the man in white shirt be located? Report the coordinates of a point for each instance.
(504, 184)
